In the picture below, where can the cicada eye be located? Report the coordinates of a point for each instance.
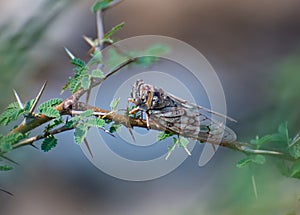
(143, 100)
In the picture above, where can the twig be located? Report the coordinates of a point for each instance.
(30, 140)
(100, 28)
(72, 105)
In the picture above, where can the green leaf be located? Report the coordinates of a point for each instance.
(86, 82)
(6, 142)
(73, 121)
(96, 122)
(183, 141)
(115, 128)
(81, 78)
(79, 63)
(5, 168)
(295, 170)
(49, 143)
(150, 55)
(146, 60)
(11, 113)
(96, 58)
(259, 159)
(115, 58)
(74, 84)
(28, 105)
(53, 124)
(264, 139)
(283, 166)
(87, 113)
(268, 139)
(114, 104)
(50, 112)
(278, 138)
(243, 162)
(283, 130)
(164, 135)
(295, 151)
(50, 104)
(157, 49)
(80, 133)
(113, 31)
(97, 73)
(6, 147)
(100, 5)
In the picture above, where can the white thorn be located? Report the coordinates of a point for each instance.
(69, 53)
(37, 98)
(18, 99)
(89, 41)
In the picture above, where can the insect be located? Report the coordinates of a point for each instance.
(179, 116)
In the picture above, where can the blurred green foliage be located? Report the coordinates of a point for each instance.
(286, 91)
(277, 194)
(15, 45)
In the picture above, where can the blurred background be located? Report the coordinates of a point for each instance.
(252, 45)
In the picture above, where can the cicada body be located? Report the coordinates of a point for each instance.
(179, 116)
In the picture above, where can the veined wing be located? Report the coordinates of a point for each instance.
(193, 121)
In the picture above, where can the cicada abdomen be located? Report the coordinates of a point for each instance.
(179, 116)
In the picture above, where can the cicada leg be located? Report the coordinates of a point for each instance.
(148, 120)
(127, 115)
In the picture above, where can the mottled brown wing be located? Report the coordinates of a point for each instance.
(193, 121)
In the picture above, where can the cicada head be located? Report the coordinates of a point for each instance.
(142, 94)
(135, 92)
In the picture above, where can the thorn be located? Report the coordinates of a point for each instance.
(108, 132)
(254, 186)
(5, 191)
(88, 147)
(69, 53)
(12, 161)
(37, 98)
(33, 146)
(89, 41)
(18, 99)
(294, 141)
(131, 134)
(187, 151)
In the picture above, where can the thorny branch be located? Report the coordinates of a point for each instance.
(72, 104)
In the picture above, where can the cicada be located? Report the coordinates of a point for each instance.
(179, 116)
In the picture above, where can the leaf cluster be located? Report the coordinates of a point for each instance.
(177, 141)
(283, 143)
(83, 74)
(14, 111)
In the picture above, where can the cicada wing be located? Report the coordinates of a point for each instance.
(190, 105)
(212, 123)
(193, 122)
(178, 120)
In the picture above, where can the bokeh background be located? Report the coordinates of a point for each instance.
(254, 48)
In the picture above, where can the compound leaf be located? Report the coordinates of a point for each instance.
(80, 133)
(49, 143)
